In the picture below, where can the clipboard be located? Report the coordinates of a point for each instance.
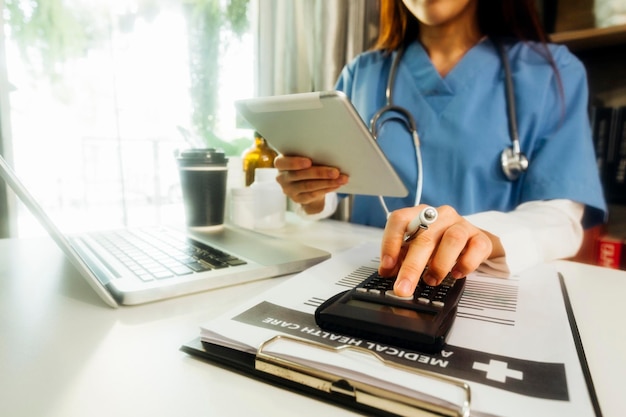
(338, 388)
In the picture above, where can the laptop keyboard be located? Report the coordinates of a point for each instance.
(151, 255)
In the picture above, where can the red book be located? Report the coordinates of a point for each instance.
(611, 252)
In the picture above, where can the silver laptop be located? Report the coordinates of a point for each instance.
(135, 266)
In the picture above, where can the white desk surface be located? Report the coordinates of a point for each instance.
(63, 352)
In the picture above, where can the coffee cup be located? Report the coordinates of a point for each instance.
(203, 175)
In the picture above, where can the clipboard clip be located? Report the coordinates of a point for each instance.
(390, 401)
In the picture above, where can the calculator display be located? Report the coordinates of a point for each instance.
(404, 312)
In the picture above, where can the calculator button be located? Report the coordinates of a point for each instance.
(374, 291)
(424, 300)
(361, 289)
(425, 294)
(392, 294)
(438, 303)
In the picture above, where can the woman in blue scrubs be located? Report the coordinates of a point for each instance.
(451, 79)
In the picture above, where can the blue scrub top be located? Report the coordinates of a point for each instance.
(463, 128)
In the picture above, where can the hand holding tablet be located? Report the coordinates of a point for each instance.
(325, 127)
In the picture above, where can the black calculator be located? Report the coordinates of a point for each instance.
(374, 312)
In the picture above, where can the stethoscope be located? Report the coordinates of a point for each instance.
(512, 159)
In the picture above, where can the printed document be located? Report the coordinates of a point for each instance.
(511, 342)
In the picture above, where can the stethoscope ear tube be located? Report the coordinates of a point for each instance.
(409, 122)
(512, 159)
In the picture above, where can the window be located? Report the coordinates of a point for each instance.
(103, 92)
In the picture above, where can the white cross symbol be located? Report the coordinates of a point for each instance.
(498, 371)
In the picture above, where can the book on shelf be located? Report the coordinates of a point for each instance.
(609, 137)
(611, 252)
(601, 130)
(610, 247)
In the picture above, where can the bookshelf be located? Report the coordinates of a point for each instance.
(603, 52)
(587, 39)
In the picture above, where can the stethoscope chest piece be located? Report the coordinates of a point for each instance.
(513, 162)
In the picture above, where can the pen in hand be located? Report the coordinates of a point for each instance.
(426, 217)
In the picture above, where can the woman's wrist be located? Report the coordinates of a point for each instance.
(314, 207)
(328, 205)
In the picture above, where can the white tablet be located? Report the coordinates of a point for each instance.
(325, 127)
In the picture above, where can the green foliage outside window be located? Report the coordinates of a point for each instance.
(205, 21)
(49, 34)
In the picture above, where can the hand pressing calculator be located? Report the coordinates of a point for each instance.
(372, 311)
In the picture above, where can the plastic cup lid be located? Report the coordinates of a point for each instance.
(201, 156)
